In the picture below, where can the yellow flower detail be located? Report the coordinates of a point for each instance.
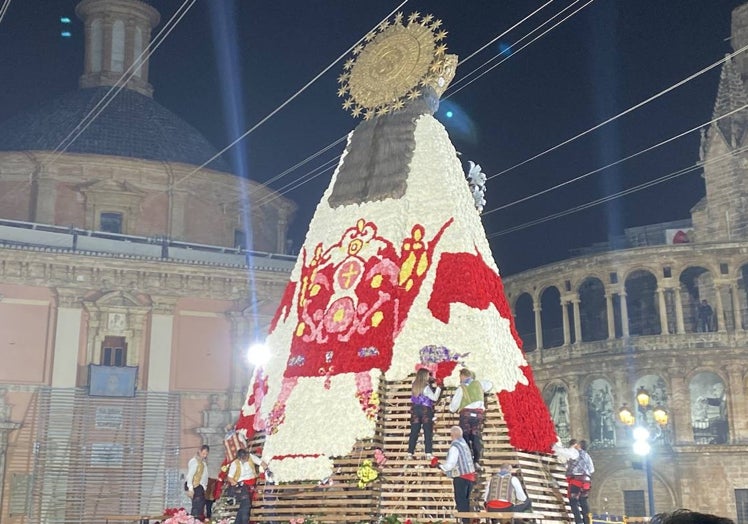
(377, 318)
(300, 329)
(376, 281)
(423, 264)
(407, 268)
(315, 289)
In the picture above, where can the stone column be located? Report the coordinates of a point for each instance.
(720, 310)
(46, 199)
(663, 311)
(738, 409)
(565, 323)
(160, 348)
(577, 408)
(624, 315)
(160, 344)
(178, 210)
(67, 339)
(680, 410)
(577, 320)
(679, 324)
(737, 317)
(54, 495)
(622, 393)
(610, 316)
(538, 327)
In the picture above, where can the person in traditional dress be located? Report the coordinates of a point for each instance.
(505, 492)
(242, 476)
(468, 402)
(460, 468)
(425, 393)
(197, 480)
(579, 470)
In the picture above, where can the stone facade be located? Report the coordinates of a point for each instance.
(670, 314)
(123, 258)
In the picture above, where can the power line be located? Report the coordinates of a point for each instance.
(463, 61)
(307, 177)
(114, 90)
(471, 55)
(500, 54)
(623, 113)
(306, 160)
(612, 164)
(625, 192)
(284, 104)
(4, 9)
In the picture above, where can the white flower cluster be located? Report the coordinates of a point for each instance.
(323, 417)
(477, 182)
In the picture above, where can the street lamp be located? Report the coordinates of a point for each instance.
(642, 434)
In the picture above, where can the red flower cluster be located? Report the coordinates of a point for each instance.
(467, 279)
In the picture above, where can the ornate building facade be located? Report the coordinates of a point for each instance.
(128, 296)
(668, 314)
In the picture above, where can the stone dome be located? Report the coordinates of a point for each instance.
(132, 125)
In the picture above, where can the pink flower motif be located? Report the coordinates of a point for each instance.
(379, 457)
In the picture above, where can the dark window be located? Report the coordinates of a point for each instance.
(567, 285)
(633, 503)
(114, 352)
(723, 268)
(614, 278)
(110, 222)
(240, 239)
(741, 502)
(667, 272)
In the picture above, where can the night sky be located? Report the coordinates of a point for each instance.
(610, 56)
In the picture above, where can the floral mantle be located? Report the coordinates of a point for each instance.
(382, 288)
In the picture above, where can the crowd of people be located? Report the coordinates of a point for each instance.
(504, 491)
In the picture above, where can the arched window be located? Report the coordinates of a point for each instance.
(601, 414)
(97, 45)
(557, 400)
(708, 409)
(118, 46)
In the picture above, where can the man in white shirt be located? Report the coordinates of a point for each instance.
(197, 481)
(242, 475)
(579, 470)
(468, 402)
(460, 468)
(505, 492)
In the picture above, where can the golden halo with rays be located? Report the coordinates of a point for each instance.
(397, 59)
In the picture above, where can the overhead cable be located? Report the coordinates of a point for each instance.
(284, 104)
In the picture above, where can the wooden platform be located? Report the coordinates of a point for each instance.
(409, 488)
(507, 516)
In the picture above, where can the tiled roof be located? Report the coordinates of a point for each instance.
(132, 125)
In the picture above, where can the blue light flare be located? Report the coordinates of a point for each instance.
(458, 123)
(65, 20)
(225, 38)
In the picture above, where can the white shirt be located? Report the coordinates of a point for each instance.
(246, 472)
(192, 469)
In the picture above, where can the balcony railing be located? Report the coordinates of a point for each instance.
(15, 233)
